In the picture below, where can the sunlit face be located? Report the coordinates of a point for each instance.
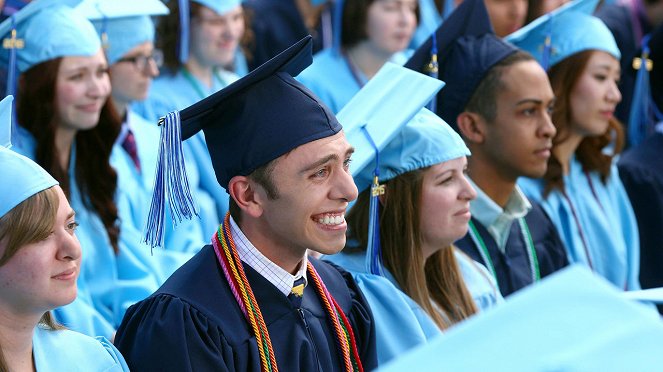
(129, 82)
(519, 141)
(445, 204)
(42, 276)
(314, 189)
(594, 97)
(82, 87)
(215, 37)
(506, 16)
(390, 24)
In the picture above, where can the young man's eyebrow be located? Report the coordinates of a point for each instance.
(320, 162)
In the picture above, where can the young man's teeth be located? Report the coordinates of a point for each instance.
(331, 220)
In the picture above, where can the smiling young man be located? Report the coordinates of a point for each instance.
(499, 100)
(253, 300)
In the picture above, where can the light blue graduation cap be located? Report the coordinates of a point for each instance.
(563, 32)
(392, 135)
(573, 320)
(122, 24)
(219, 6)
(21, 177)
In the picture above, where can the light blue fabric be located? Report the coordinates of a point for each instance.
(70, 351)
(429, 20)
(175, 92)
(133, 198)
(400, 323)
(108, 283)
(219, 6)
(126, 23)
(51, 29)
(479, 282)
(570, 321)
(330, 77)
(21, 177)
(571, 29)
(606, 219)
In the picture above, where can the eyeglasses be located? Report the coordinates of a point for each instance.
(142, 62)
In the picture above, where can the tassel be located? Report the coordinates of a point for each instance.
(642, 114)
(171, 182)
(433, 69)
(13, 43)
(183, 44)
(374, 250)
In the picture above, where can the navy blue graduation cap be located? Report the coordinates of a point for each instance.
(467, 50)
(249, 123)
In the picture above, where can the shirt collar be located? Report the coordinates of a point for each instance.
(276, 275)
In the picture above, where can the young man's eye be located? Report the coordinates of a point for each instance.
(321, 173)
(347, 162)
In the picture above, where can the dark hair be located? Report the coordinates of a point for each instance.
(437, 279)
(563, 78)
(96, 179)
(263, 177)
(484, 98)
(168, 34)
(354, 20)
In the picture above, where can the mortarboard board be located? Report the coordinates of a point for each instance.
(393, 135)
(573, 320)
(22, 177)
(467, 49)
(122, 24)
(219, 6)
(563, 32)
(249, 123)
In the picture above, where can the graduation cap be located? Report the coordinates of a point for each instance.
(392, 135)
(22, 177)
(249, 123)
(573, 320)
(467, 50)
(219, 6)
(563, 32)
(122, 24)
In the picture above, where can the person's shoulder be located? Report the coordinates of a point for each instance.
(326, 64)
(64, 347)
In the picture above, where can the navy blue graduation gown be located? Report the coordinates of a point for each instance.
(193, 323)
(641, 171)
(513, 268)
(276, 25)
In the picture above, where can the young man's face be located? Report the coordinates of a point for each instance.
(314, 188)
(519, 140)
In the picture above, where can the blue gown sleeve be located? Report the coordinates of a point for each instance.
(114, 353)
(164, 333)
(630, 230)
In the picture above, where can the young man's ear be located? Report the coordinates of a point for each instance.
(248, 195)
(471, 127)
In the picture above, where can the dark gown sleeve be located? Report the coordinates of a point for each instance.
(361, 319)
(555, 257)
(164, 333)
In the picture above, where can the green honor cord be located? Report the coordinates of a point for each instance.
(527, 237)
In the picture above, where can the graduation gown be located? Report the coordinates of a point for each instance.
(641, 171)
(606, 220)
(108, 283)
(193, 323)
(170, 92)
(64, 350)
(512, 268)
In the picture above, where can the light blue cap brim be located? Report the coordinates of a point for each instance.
(219, 6)
(51, 29)
(573, 320)
(21, 177)
(383, 106)
(571, 28)
(126, 23)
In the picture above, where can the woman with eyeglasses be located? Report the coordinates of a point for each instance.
(128, 33)
(68, 125)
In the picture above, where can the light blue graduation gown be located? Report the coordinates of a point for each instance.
(108, 283)
(176, 92)
(606, 220)
(331, 79)
(65, 350)
(134, 193)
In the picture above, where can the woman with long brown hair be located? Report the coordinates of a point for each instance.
(68, 126)
(581, 190)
